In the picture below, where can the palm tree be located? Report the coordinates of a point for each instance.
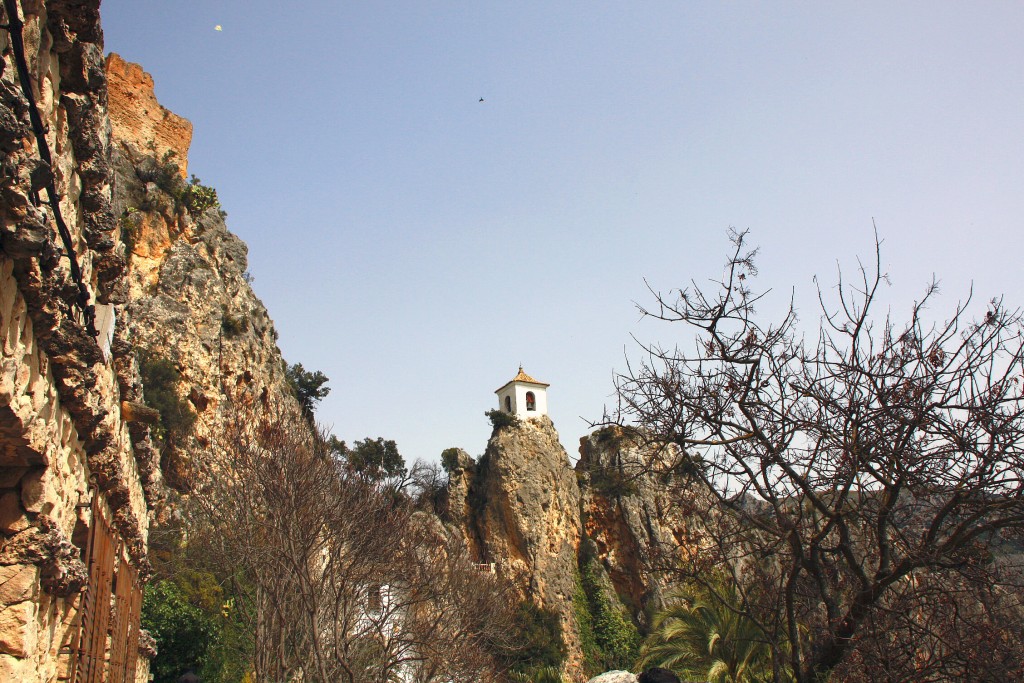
(705, 637)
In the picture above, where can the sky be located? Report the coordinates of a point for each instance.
(417, 244)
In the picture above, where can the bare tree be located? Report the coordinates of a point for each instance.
(340, 579)
(849, 478)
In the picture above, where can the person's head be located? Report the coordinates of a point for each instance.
(658, 675)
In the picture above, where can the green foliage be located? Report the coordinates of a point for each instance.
(547, 674)
(537, 639)
(167, 176)
(191, 610)
(195, 625)
(616, 640)
(191, 196)
(611, 481)
(500, 419)
(704, 635)
(585, 622)
(197, 198)
(477, 498)
(375, 458)
(182, 630)
(309, 387)
(450, 459)
(131, 226)
(160, 380)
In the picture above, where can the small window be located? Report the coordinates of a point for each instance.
(508, 404)
(374, 599)
(531, 401)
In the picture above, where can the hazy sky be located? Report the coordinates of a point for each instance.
(417, 245)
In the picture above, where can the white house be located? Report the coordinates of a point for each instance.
(523, 396)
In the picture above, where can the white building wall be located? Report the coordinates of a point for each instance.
(517, 391)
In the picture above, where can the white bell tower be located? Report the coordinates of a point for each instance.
(523, 396)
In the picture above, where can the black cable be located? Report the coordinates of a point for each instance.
(14, 27)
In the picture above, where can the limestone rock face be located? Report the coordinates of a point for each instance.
(618, 514)
(460, 512)
(525, 505)
(637, 516)
(189, 294)
(138, 120)
(614, 677)
(67, 457)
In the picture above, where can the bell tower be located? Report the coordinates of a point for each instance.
(523, 396)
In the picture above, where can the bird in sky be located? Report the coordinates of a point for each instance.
(481, 99)
(218, 28)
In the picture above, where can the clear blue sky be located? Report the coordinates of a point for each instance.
(416, 244)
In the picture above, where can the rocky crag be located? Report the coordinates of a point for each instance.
(523, 515)
(636, 515)
(583, 542)
(189, 299)
(108, 257)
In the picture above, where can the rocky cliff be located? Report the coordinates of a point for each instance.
(74, 501)
(636, 515)
(189, 299)
(523, 515)
(585, 543)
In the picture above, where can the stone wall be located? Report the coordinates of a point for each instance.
(43, 477)
(66, 452)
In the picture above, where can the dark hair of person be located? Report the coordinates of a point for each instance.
(658, 675)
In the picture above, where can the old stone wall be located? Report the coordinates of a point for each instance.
(66, 452)
(43, 477)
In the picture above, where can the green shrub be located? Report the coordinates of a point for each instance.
(592, 656)
(195, 625)
(375, 458)
(309, 387)
(611, 481)
(182, 631)
(450, 459)
(500, 419)
(616, 640)
(197, 197)
(160, 379)
(131, 226)
(537, 640)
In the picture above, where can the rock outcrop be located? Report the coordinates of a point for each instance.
(74, 512)
(189, 294)
(637, 515)
(523, 515)
(573, 541)
(138, 120)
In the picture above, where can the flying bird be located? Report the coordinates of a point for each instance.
(218, 28)
(481, 99)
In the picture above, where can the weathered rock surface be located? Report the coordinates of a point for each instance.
(524, 506)
(189, 297)
(138, 120)
(614, 677)
(66, 456)
(636, 515)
